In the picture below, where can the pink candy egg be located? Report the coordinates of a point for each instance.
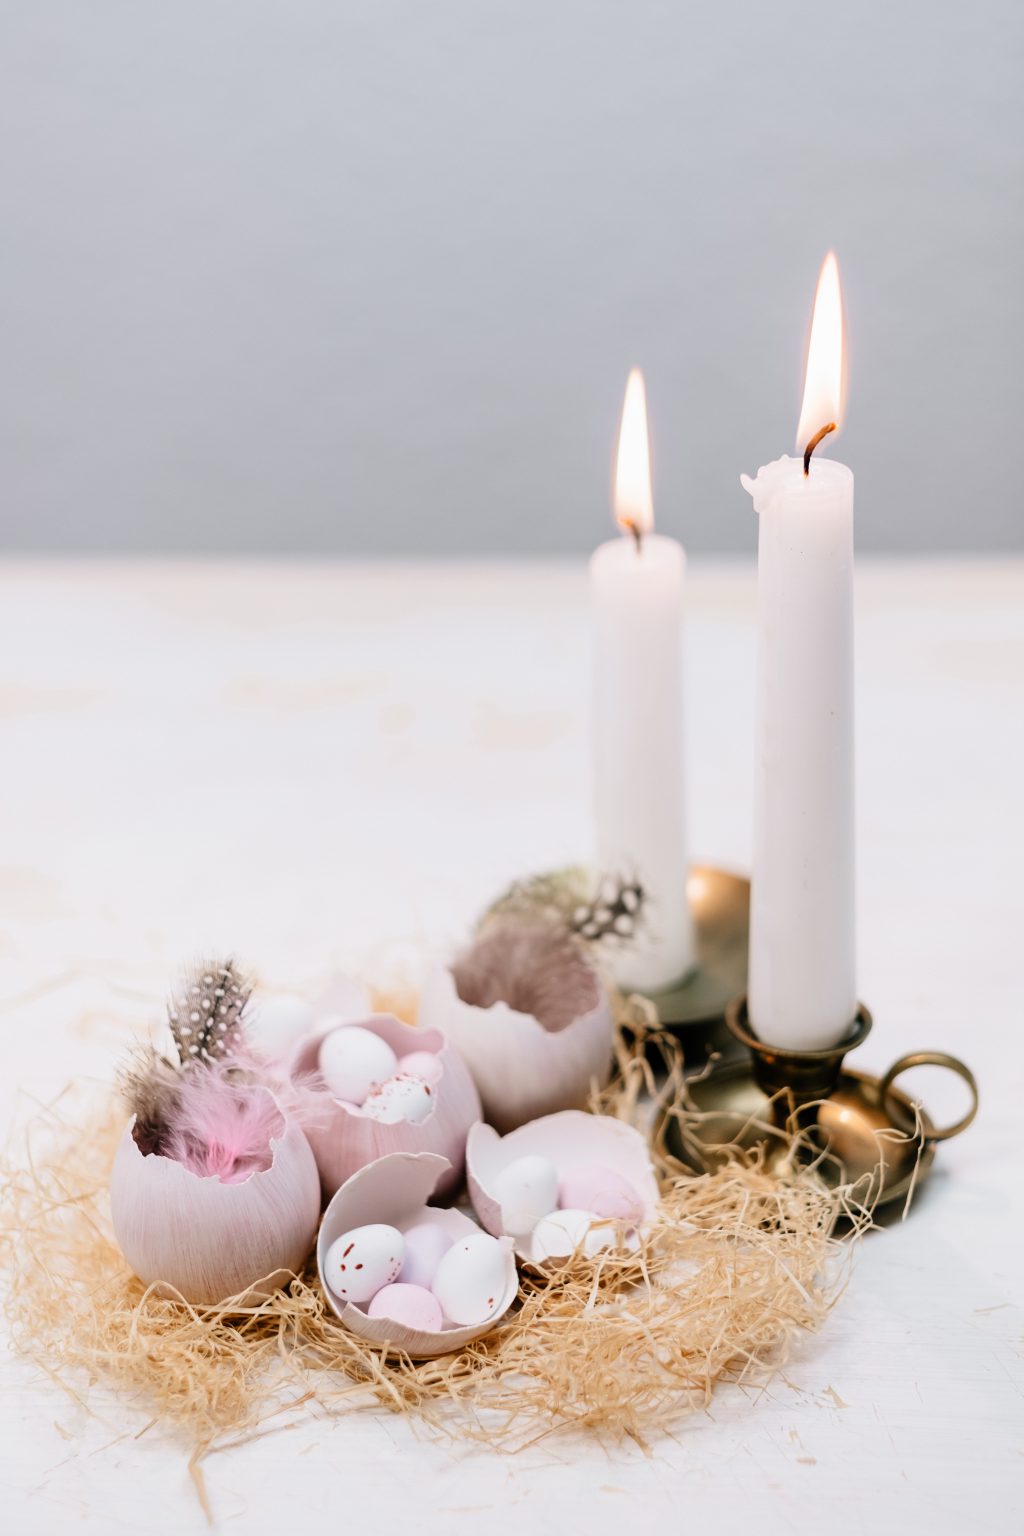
(411, 1305)
(593, 1187)
(425, 1246)
(421, 1064)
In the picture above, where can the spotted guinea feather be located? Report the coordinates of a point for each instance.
(205, 1012)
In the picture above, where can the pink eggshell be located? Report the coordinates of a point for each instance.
(421, 1064)
(410, 1305)
(425, 1246)
(593, 1187)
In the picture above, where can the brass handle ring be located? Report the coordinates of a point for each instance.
(933, 1059)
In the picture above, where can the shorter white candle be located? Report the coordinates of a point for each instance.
(637, 590)
(802, 990)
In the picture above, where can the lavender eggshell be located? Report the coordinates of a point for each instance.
(411, 1305)
(425, 1246)
(600, 1189)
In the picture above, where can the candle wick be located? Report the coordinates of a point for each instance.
(636, 531)
(815, 440)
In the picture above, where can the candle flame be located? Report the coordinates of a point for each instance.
(634, 507)
(823, 382)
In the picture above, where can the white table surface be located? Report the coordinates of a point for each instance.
(323, 766)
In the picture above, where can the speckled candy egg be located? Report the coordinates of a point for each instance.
(425, 1246)
(400, 1098)
(598, 1188)
(354, 1061)
(470, 1280)
(527, 1190)
(411, 1305)
(361, 1262)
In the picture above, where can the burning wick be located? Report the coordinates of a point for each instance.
(815, 440)
(630, 526)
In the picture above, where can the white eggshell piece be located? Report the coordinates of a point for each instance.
(400, 1098)
(422, 1064)
(361, 1262)
(395, 1189)
(564, 1233)
(348, 1138)
(603, 1190)
(570, 1140)
(425, 1246)
(411, 1305)
(526, 1190)
(470, 1280)
(275, 1024)
(354, 1061)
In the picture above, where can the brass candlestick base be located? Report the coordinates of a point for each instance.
(861, 1131)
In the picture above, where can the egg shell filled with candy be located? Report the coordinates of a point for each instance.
(363, 1261)
(527, 1190)
(394, 1191)
(602, 1190)
(470, 1279)
(354, 1061)
(411, 1305)
(570, 1140)
(425, 1246)
(346, 1137)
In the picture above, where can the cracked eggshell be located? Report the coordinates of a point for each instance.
(349, 1136)
(568, 1140)
(521, 1068)
(205, 1240)
(395, 1190)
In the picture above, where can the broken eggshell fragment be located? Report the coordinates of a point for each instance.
(571, 1140)
(395, 1190)
(529, 1012)
(348, 1136)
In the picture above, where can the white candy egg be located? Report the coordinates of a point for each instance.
(527, 1190)
(361, 1262)
(275, 1024)
(353, 1061)
(567, 1232)
(400, 1098)
(422, 1064)
(470, 1280)
(425, 1246)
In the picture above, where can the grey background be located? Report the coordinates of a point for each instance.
(283, 275)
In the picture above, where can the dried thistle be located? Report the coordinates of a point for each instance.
(205, 1012)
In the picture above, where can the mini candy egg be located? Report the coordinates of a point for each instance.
(275, 1024)
(411, 1305)
(421, 1064)
(526, 1190)
(602, 1190)
(470, 1280)
(400, 1098)
(353, 1061)
(564, 1233)
(425, 1246)
(360, 1263)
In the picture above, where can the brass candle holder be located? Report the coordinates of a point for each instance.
(860, 1131)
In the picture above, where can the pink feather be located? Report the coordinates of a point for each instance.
(221, 1127)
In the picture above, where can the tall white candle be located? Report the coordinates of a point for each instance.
(802, 989)
(637, 595)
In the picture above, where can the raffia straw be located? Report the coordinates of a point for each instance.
(737, 1266)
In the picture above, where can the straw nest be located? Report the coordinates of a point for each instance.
(737, 1266)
